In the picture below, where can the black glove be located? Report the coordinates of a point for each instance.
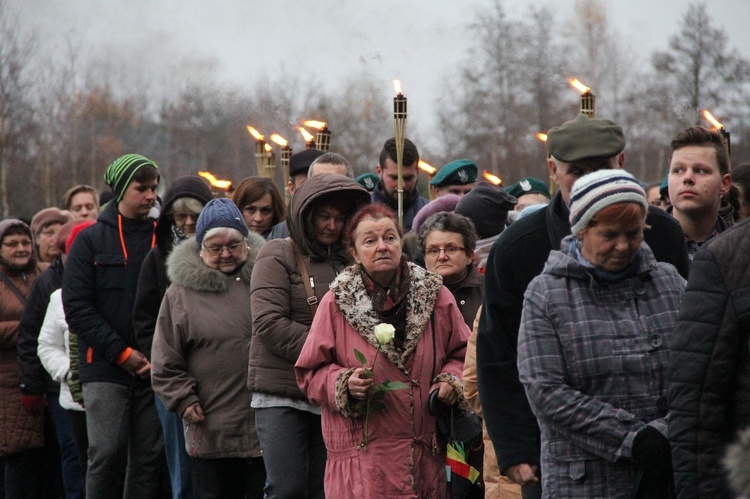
(651, 452)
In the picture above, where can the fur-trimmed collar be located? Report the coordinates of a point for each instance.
(185, 267)
(356, 306)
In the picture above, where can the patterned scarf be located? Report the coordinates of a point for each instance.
(389, 303)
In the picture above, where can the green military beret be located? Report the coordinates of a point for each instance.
(584, 138)
(461, 171)
(528, 185)
(368, 181)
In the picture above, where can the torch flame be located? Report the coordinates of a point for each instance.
(268, 147)
(542, 136)
(320, 125)
(219, 184)
(279, 140)
(492, 178)
(397, 86)
(306, 136)
(255, 133)
(712, 120)
(426, 167)
(579, 86)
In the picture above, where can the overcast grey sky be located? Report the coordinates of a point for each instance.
(418, 41)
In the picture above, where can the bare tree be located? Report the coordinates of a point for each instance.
(699, 68)
(16, 112)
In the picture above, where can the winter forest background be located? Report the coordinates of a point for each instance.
(64, 119)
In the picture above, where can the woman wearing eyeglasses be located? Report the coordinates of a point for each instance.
(261, 204)
(283, 300)
(181, 205)
(200, 353)
(447, 241)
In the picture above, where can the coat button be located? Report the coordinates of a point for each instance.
(656, 340)
(640, 288)
(625, 416)
(463, 302)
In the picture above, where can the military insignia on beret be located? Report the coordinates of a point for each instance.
(463, 176)
(525, 185)
(369, 184)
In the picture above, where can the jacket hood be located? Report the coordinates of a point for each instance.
(314, 189)
(185, 267)
(190, 186)
(563, 263)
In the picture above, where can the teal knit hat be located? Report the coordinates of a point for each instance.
(120, 173)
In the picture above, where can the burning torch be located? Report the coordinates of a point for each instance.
(724, 134)
(492, 178)
(431, 171)
(588, 101)
(307, 137)
(216, 184)
(399, 122)
(286, 156)
(260, 149)
(543, 138)
(323, 137)
(270, 158)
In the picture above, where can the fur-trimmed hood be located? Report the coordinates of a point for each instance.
(356, 306)
(185, 267)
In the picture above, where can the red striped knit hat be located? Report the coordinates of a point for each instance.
(595, 191)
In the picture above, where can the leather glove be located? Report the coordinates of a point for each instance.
(651, 452)
(34, 404)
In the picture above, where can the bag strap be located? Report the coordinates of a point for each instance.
(13, 288)
(312, 300)
(434, 345)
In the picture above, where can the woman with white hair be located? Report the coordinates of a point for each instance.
(199, 355)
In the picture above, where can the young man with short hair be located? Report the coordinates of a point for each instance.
(99, 286)
(698, 179)
(386, 192)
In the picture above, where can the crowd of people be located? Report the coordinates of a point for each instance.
(200, 345)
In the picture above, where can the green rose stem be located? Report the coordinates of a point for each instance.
(370, 372)
(384, 335)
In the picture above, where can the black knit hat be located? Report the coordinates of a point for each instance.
(221, 212)
(487, 205)
(300, 162)
(121, 171)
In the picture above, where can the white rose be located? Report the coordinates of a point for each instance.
(384, 333)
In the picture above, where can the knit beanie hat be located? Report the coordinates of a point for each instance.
(73, 229)
(221, 212)
(487, 205)
(443, 203)
(120, 173)
(48, 216)
(300, 162)
(595, 191)
(12, 223)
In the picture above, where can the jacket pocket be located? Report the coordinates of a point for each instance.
(570, 459)
(110, 271)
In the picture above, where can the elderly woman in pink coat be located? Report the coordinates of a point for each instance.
(393, 452)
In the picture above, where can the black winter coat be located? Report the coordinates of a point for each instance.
(35, 380)
(709, 367)
(153, 281)
(517, 256)
(98, 292)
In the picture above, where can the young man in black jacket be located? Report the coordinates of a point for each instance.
(99, 287)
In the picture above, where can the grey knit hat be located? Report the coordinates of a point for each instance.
(221, 212)
(595, 191)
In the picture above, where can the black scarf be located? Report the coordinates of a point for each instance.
(389, 302)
